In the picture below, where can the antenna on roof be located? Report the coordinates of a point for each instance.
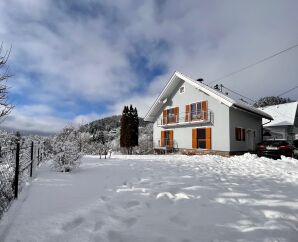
(218, 87)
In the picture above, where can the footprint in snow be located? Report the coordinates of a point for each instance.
(129, 221)
(73, 224)
(131, 204)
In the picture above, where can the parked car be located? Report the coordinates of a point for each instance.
(275, 148)
(295, 152)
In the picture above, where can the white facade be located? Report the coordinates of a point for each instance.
(223, 119)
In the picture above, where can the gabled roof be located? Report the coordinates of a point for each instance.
(176, 79)
(283, 114)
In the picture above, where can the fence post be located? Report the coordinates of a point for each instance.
(38, 156)
(31, 165)
(16, 178)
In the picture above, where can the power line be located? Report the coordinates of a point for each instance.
(269, 107)
(255, 63)
(291, 89)
(237, 93)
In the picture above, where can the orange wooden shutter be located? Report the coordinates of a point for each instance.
(194, 139)
(187, 108)
(171, 138)
(176, 113)
(162, 139)
(208, 138)
(165, 117)
(205, 110)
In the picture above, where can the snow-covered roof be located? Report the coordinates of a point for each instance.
(176, 79)
(283, 114)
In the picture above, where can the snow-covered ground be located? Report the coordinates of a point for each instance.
(160, 198)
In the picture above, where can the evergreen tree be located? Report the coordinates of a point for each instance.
(129, 132)
(123, 128)
(135, 127)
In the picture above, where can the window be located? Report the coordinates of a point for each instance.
(240, 134)
(201, 138)
(166, 138)
(170, 115)
(182, 89)
(198, 111)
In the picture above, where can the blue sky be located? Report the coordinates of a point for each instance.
(76, 61)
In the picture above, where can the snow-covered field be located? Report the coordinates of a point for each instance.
(160, 198)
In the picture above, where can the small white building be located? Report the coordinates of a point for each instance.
(190, 115)
(285, 123)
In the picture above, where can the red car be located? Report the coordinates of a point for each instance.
(275, 148)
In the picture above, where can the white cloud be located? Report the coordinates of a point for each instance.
(33, 118)
(81, 56)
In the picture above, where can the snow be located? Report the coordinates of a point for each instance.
(283, 114)
(159, 198)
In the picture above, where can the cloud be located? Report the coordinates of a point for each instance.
(34, 118)
(42, 118)
(72, 56)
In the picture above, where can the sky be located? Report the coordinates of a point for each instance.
(74, 61)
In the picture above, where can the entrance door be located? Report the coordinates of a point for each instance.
(251, 140)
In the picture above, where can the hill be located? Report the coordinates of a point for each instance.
(107, 124)
(108, 131)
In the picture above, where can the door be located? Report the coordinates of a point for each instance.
(251, 140)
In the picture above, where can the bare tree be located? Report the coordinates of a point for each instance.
(5, 108)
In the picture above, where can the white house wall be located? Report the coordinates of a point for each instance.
(183, 134)
(241, 119)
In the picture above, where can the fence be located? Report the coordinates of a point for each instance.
(16, 166)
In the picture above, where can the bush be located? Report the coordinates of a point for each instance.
(67, 150)
(67, 157)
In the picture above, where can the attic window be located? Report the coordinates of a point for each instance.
(182, 89)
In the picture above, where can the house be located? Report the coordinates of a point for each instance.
(189, 115)
(285, 123)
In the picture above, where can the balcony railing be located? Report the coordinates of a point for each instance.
(165, 143)
(185, 118)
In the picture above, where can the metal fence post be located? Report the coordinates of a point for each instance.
(38, 158)
(31, 165)
(16, 178)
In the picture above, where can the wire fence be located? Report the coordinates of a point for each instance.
(17, 162)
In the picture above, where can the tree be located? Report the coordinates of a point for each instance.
(271, 100)
(67, 150)
(129, 131)
(135, 130)
(123, 128)
(5, 108)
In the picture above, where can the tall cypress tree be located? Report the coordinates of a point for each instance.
(129, 133)
(130, 130)
(123, 129)
(135, 127)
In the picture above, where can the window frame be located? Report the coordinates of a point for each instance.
(170, 116)
(194, 115)
(240, 134)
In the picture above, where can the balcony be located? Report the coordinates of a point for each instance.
(165, 145)
(185, 118)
